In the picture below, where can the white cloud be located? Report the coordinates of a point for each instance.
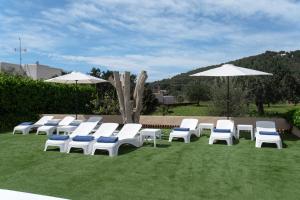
(287, 10)
(163, 37)
(158, 67)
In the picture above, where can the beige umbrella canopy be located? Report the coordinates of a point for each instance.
(76, 78)
(229, 70)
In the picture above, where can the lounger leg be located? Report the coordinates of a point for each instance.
(229, 141)
(68, 149)
(46, 146)
(279, 144)
(93, 151)
(113, 152)
(170, 138)
(187, 139)
(86, 150)
(258, 144)
(14, 131)
(211, 140)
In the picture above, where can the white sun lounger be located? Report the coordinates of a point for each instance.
(62, 141)
(261, 137)
(129, 134)
(190, 124)
(94, 119)
(105, 129)
(221, 133)
(48, 129)
(67, 129)
(26, 128)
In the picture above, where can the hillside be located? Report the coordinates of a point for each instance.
(269, 62)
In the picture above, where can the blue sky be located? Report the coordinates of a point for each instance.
(162, 37)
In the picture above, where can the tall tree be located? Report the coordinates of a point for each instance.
(130, 106)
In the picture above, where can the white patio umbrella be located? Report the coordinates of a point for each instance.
(228, 70)
(76, 78)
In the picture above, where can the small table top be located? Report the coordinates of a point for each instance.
(150, 130)
(244, 126)
(206, 124)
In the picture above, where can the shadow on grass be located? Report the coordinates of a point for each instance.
(150, 144)
(76, 150)
(223, 142)
(289, 137)
(273, 145)
(245, 135)
(123, 150)
(193, 139)
(53, 149)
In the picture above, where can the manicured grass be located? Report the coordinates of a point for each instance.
(186, 110)
(171, 171)
(203, 110)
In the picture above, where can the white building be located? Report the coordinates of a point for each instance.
(34, 71)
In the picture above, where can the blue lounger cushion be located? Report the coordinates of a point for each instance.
(108, 139)
(268, 133)
(51, 124)
(219, 130)
(86, 138)
(74, 124)
(26, 123)
(59, 137)
(181, 129)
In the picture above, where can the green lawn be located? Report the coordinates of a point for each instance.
(171, 171)
(203, 110)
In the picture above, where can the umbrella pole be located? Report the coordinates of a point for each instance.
(76, 101)
(227, 97)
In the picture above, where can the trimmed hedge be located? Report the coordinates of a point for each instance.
(296, 118)
(23, 99)
(293, 117)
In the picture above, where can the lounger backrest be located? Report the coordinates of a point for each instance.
(66, 121)
(94, 119)
(225, 124)
(84, 128)
(43, 120)
(106, 129)
(265, 126)
(129, 131)
(189, 123)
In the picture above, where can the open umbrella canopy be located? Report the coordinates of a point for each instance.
(76, 77)
(230, 70)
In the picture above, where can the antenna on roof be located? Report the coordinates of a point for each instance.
(20, 50)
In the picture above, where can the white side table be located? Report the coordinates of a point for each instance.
(150, 133)
(202, 126)
(66, 129)
(245, 127)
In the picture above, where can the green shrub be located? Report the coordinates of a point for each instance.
(237, 100)
(23, 99)
(296, 118)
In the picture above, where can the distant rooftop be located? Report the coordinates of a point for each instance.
(35, 71)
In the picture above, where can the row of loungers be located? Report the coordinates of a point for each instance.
(106, 137)
(48, 125)
(265, 132)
